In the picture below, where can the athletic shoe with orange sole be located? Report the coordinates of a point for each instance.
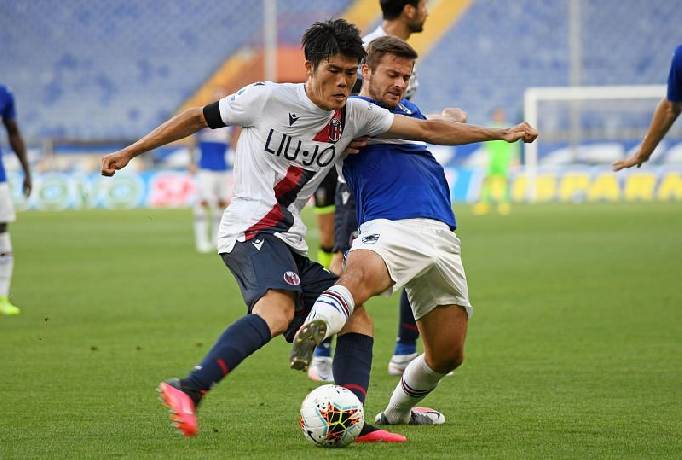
(180, 405)
(371, 433)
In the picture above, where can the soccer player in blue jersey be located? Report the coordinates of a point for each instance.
(7, 215)
(406, 239)
(212, 181)
(401, 18)
(666, 113)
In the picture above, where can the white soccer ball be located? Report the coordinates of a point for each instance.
(331, 416)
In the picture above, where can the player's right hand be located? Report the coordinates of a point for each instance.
(115, 161)
(523, 131)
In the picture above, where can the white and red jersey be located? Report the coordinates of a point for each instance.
(286, 147)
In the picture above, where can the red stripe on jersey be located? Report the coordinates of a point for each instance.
(276, 214)
(332, 131)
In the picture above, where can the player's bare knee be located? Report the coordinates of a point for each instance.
(447, 361)
(277, 310)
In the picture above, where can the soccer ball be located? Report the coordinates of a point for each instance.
(331, 416)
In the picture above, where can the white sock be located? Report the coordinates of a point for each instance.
(201, 227)
(417, 382)
(217, 217)
(6, 263)
(334, 306)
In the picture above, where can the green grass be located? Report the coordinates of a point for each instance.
(575, 349)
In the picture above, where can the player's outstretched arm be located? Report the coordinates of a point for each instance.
(180, 126)
(446, 132)
(665, 115)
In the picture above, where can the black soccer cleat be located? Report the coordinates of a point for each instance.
(306, 339)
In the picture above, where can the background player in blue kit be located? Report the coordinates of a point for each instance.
(212, 182)
(666, 113)
(406, 239)
(16, 141)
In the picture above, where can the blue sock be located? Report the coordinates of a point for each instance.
(241, 339)
(407, 329)
(353, 362)
(324, 348)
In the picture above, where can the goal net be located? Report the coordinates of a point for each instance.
(582, 131)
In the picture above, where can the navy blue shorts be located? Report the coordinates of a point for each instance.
(345, 220)
(266, 262)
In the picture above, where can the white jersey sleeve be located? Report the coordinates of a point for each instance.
(368, 119)
(245, 106)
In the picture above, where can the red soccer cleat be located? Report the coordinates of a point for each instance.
(371, 433)
(181, 407)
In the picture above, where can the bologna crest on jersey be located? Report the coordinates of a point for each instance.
(292, 279)
(331, 133)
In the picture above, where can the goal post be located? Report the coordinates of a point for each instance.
(575, 116)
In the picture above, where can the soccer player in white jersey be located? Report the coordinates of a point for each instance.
(212, 181)
(406, 239)
(7, 215)
(292, 134)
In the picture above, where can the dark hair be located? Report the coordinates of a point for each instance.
(391, 9)
(388, 44)
(323, 40)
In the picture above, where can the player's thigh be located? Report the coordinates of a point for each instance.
(204, 184)
(7, 213)
(365, 275)
(267, 274)
(223, 188)
(443, 331)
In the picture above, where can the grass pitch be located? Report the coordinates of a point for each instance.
(574, 351)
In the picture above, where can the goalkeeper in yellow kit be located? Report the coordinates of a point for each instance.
(501, 157)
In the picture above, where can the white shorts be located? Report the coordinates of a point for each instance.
(6, 207)
(213, 186)
(424, 256)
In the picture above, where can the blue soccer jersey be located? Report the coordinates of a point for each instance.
(213, 145)
(398, 179)
(7, 112)
(675, 77)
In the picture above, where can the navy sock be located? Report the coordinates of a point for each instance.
(241, 339)
(324, 348)
(407, 329)
(353, 362)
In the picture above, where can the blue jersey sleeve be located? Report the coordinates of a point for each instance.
(675, 77)
(7, 104)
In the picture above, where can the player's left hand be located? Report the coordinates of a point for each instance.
(356, 144)
(629, 162)
(523, 131)
(27, 186)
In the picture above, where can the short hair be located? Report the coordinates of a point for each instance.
(377, 48)
(392, 9)
(323, 40)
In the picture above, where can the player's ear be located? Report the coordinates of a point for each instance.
(365, 71)
(308, 69)
(409, 11)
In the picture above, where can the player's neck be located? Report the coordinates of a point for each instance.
(397, 29)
